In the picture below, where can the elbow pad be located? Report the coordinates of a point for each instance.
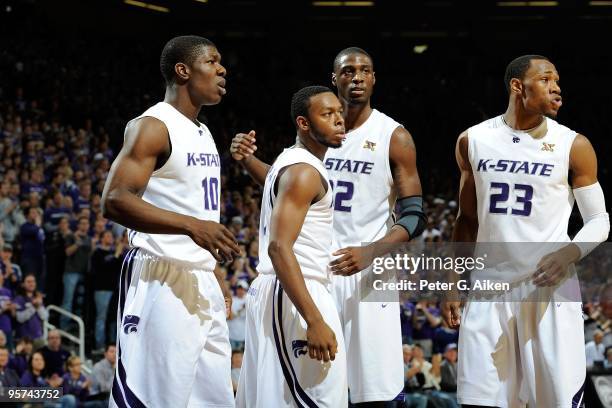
(411, 216)
(592, 206)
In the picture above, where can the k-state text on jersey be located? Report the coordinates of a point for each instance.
(351, 166)
(203, 159)
(515, 166)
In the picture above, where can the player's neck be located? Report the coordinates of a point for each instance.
(518, 119)
(179, 99)
(315, 148)
(356, 115)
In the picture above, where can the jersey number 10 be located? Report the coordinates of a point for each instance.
(523, 193)
(211, 193)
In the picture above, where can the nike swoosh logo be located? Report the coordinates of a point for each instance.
(384, 305)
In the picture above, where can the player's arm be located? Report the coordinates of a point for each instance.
(466, 226)
(411, 220)
(242, 149)
(298, 187)
(591, 203)
(146, 143)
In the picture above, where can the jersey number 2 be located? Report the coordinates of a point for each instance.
(211, 193)
(496, 203)
(342, 196)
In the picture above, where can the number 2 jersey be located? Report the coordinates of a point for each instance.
(361, 178)
(188, 184)
(522, 187)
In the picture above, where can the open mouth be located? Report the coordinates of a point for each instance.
(557, 102)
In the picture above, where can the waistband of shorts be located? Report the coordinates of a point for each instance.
(321, 280)
(141, 253)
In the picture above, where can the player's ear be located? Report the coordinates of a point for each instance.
(516, 86)
(334, 79)
(373, 78)
(302, 123)
(182, 72)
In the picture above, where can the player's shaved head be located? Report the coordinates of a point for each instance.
(185, 49)
(519, 66)
(349, 51)
(300, 102)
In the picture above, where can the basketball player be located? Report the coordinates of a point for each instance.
(520, 174)
(375, 166)
(293, 357)
(173, 346)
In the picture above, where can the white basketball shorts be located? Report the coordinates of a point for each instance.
(276, 368)
(373, 337)
(517, 353)
(172, 337)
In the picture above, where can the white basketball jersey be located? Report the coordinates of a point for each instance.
(188, 183)
(312, 247)
(522, 187)
(362, 181)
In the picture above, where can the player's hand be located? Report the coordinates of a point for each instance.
(351, 260)
(243, 145)
(552, 268)
(451, 312)
(216, 239)
(322, 343)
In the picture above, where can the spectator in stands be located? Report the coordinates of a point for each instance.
(32, 244)
(55, 244)
(54, 213)
(33, 376)
(11, 271)
(103, 374)
(8, 377)
(236, 366)
(55, 355)
(413, 381)
(78, 251)
(443, 336)
(3, 340)
(424, 321)
(11, 216)
(7, 312)
(253, 254)
(105, 268)
(448, 373)
(23, 352)
(595, 349)
(608, 360)
(75, 383)
(406, 313)
(30, 312)
(237, 322)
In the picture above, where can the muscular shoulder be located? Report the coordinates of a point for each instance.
(300, 180)
(146, 136)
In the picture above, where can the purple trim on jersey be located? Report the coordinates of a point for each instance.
(305, 397)
(578, 396)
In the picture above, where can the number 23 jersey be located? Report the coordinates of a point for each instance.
(188, 183)
(362, 183)
(521, 179)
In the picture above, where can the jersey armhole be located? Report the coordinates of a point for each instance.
(159, 169)
(279, 173)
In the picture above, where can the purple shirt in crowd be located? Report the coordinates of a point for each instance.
(75, 387)
(5, 318)
(33, 327)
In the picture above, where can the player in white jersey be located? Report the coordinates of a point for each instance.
(294, 348)
(374, 168)
(520, 175)
(172, 336)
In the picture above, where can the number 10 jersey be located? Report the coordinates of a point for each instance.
(188, 183)
(361, 178)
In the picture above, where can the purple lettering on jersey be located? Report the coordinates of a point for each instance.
(547, 170)
(346, 166)
(482, 164)
(524, 167)
(516, 166)
(367, 168)
(357, 163)
(191, 159)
